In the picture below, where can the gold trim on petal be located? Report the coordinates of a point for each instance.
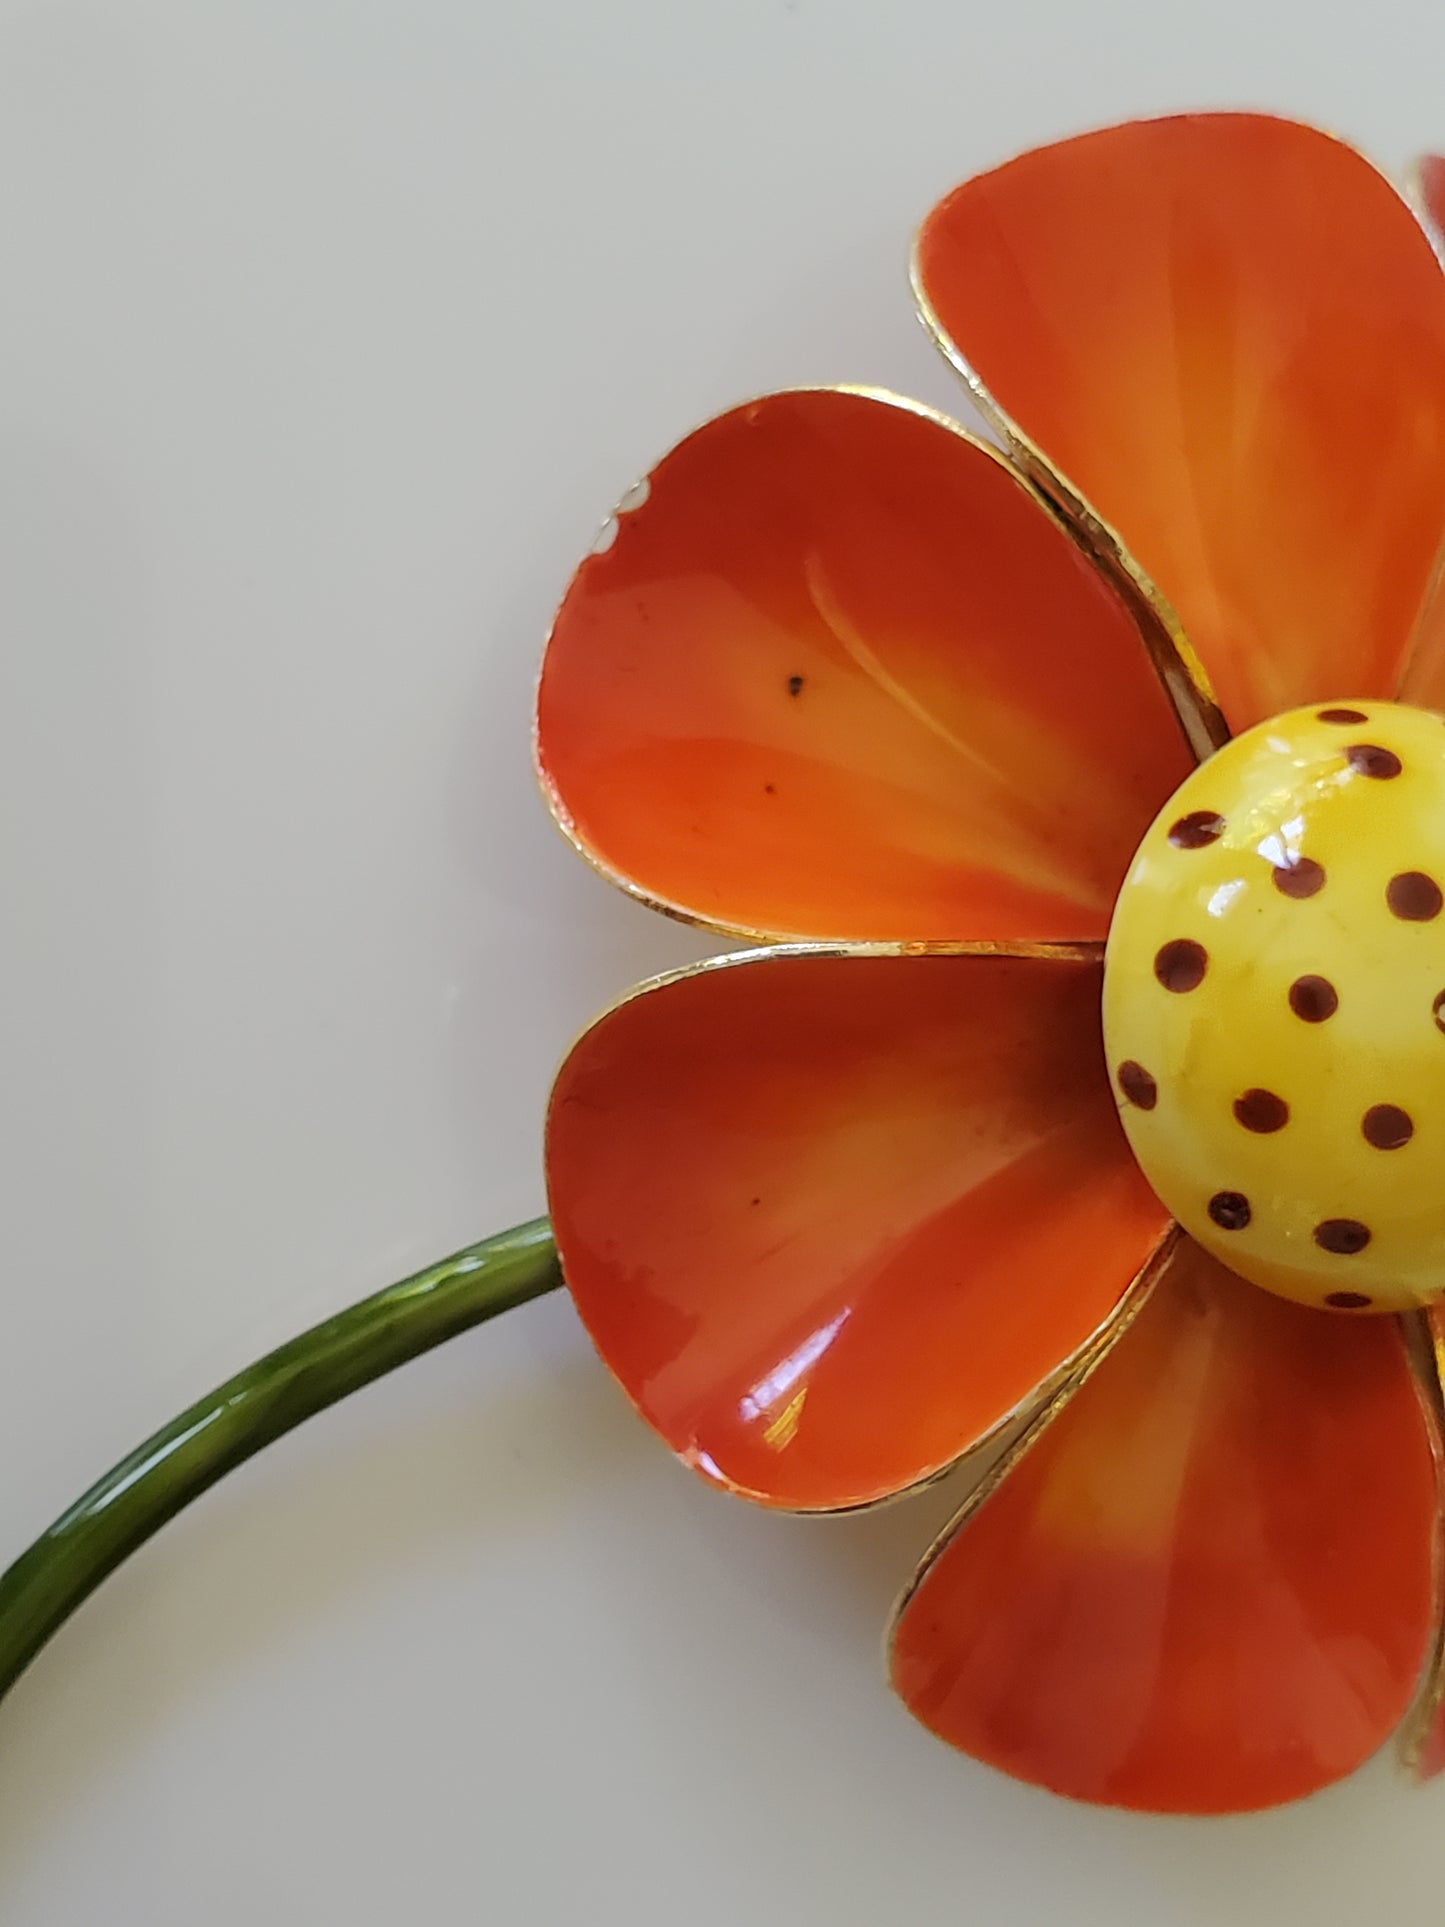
(1184, 678)
(1139, 609)
(1039, 1406)
(1427, 621)
(1411, 191)
(1053, 1398)
(1017, 1428)
(785, 948)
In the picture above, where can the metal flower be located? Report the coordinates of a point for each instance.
(932, 724)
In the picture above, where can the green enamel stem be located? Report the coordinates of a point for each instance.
(263, 1402)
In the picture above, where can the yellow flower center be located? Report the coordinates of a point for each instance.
(1274, 1006)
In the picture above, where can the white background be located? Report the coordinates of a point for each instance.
(328, 334)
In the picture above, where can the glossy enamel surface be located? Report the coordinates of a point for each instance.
(1274, 1005)
(1423, 683)
(1424, 678)
(831, 1218)
(1228, 333)
(1207, 1587)
(840, 675)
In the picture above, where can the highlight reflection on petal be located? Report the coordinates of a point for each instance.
(842, 675)
(1227, 332)
(830, 1218)
(1207, 1587)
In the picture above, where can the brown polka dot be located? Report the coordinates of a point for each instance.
(1181, 965)
(1345, 1236)
(795, 685)
(1414, 897)
(1342, 715)
(1230, 1210)
(1261, 1111)
(1198, 829)
(1138, 1086)
(1314, 999)
(1387, 1127)
(1349, 1300)
(1369, 759)
(1300, 876)
(1438, 1007)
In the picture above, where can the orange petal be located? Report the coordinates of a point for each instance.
(840, 675)
(831, 1217)
(1423, 682)
(1228, 333)
(1208, 1586)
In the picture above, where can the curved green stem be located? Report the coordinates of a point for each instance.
(180, 1462)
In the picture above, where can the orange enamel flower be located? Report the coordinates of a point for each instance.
(932, 725)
